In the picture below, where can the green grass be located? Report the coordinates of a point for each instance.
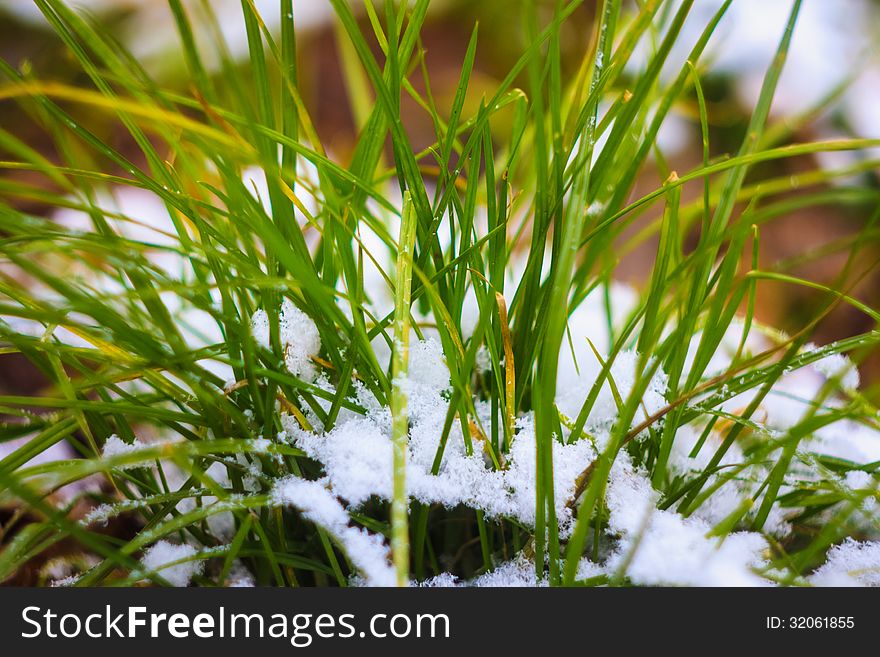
(523, 180)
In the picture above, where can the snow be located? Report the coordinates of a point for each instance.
(67, 570)
(660, 547)
(240, 577)
(299, 338)
(222, 524)
(574, 383)
(852, 563)
(162, 553)
(859, 480)
(838, 366)
(367, 552)
(648, 545)
(732, 493)
(115, 446)
(70, 580)
(518, 572)
(356, 454)
(441, 581)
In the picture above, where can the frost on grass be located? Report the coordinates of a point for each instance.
(162, 558)
(298, 335)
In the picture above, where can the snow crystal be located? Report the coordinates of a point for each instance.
(863, 483)
(852, 563)
(101, 514)
(299, 337)
(518, 572)
(368, 552)
(162, 553)
(441, 581)
(427, 366)
(859, 480)
(838, 365)
(115, 446)
(70, 580)
(660, 547)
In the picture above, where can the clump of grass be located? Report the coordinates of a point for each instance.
(544, 424)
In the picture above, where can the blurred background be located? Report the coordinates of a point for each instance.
(830, 89)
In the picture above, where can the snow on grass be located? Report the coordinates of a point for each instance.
(837, 366)
(859, 481)
(732, 493)
(518, 572)
(64, 582)
(161, 558)
(356, 454)
(852, 563)
(660, 547)
(115, 446)
(240, 577)
(649, 546)
(574, 383)
(368, 552)
(299, 338)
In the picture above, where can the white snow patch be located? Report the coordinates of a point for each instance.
(115, 446)
(368, 552)
(660, 547)
(852, 563)
(574, 381)
(240, 577)
(157, 558)
(356, 454)
(838, 366)
(519, 572)
(298, 335)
